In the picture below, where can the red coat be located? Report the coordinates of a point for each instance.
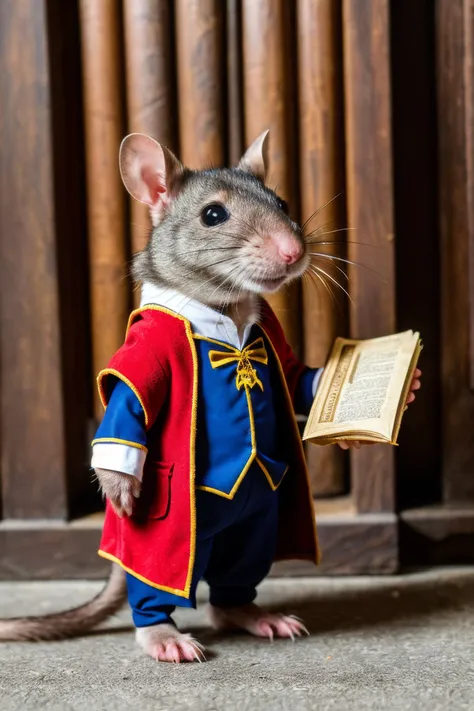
(157, 543)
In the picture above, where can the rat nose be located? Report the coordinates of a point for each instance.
(290, 253)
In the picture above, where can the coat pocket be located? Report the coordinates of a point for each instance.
(155, 496)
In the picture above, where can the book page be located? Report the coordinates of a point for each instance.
(361, 387)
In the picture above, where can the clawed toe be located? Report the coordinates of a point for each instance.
(164, 643)
(259, 623)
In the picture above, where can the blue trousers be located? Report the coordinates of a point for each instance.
(235, 548)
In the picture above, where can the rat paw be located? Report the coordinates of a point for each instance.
(165, 643)
(256, 621)
(120, 489)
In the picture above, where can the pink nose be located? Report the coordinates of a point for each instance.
(291, 253)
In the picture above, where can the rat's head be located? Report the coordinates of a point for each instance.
(218, 234)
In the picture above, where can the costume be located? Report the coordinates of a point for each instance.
(210, 428)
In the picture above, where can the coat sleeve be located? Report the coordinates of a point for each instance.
(121, 439)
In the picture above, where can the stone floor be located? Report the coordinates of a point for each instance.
(376, 643)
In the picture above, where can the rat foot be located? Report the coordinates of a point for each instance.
(165, 643)
(253, 619)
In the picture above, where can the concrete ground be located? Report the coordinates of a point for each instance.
(376, 643)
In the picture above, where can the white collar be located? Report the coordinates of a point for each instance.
(205, 320)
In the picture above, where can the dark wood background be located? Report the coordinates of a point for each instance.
(370, 105)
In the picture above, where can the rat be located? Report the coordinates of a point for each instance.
(197, 468)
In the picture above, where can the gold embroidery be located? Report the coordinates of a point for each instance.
(246, 375)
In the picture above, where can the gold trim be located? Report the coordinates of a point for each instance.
(267, 474)
(112, 371)
(111, 557)
(298, 439)
(115, 440)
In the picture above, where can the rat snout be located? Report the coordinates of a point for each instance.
(291, 253)
(288, 248)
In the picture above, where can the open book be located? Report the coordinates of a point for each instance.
(363, 390)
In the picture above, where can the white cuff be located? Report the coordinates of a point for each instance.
(316, 380)
(118, 458)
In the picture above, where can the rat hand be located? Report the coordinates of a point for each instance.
(120, 489)
(415, 385)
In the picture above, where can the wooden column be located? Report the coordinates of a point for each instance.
(32, 426)
(199, 32)
(104, 129)
(267, 101)
(444, 532)
(150, 88)
(235, 128)
(418, 458)
(455, 60)
(366, 26)
(321, 130)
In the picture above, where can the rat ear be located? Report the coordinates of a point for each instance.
(255, 158)
(149, 171)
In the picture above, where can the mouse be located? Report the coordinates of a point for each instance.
(198, 455)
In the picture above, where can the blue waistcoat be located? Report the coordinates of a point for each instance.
(237, 416)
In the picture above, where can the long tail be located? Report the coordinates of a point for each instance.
(69, 623)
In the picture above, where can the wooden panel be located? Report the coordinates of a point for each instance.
(104, 129)
(199, 32)
(235, 127)
(437, 535)
(370, 211)
(150, 91)
(321, 131)
(361, 545)
(32, 414)
(267, 101)
(455, 226)
(351, 545)
(49, 551)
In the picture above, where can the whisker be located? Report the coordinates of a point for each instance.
(329, 290)
(344, 274)
(313, 266)
(326, 224)
(343, 242)
(312, 280)
(330, 232)
(348, 261)
(316, 212)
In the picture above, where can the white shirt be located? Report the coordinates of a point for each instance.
(206, 322)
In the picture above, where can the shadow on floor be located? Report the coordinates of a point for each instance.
(389, 605)
(401, 602)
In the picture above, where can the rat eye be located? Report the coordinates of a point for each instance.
(283, 205)
(214, 214)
